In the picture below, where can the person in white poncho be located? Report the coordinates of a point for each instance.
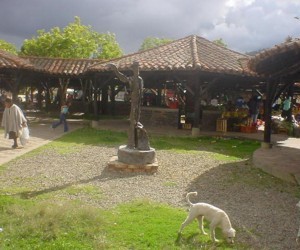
(13, 121)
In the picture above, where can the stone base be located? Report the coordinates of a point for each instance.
(266, 145)
(94, 124)
(195, 132)
(135, 156)
(115, 164)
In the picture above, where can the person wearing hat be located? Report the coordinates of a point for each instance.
(13, 121)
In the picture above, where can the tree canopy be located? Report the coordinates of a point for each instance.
(8, 46)
(151, 42)
(73, 41)
(220, 42)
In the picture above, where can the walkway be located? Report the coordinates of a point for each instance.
(282, 160)
(40, 134)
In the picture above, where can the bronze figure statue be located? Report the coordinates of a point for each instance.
(137, 135)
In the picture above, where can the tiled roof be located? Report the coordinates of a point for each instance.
(187, 54)
(280, 56)
(191, 53)
(61, 66)
(11, 61)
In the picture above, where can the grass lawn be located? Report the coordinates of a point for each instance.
(63, 224)
(222, 147)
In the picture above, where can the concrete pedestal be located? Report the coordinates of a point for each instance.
(134, 156)
(115, 165)
(195, 132)
(94, 124)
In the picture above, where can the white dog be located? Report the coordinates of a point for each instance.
(216, 216)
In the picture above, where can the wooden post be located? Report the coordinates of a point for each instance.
(104, 100)
(95, 99)
(159, 90)
(196, 106)
(112, 99)
(268, 114)
(270, 96)
(197, 95)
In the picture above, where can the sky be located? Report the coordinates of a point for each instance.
(244, 25)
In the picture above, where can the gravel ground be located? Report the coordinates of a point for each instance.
(261, 208)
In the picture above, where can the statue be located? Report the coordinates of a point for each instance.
(137, 135)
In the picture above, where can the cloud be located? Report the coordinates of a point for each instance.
(245, 25)
(257, 24)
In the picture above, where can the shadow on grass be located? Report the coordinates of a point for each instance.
(106, 175)
(181, 240)
(245, 194)
(195, 240)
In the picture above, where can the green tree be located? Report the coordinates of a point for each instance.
(8, 47)
(220, 42)
(151, 42)
(73, 41)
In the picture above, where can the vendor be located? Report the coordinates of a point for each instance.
(240, 102)
(254, 105)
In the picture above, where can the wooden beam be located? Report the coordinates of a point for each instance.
(270, 95)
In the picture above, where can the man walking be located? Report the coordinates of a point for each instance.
(13, 121)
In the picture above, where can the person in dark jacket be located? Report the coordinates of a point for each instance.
(253, 105)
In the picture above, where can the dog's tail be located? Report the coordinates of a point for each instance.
(188, 197)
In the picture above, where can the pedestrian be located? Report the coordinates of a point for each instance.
(254, 104)
(286, 107)
(64, 110)
(240, 102)
(13, 121)
(277, 104)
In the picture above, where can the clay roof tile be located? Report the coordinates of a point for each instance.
(189, 53)
(11, 61)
